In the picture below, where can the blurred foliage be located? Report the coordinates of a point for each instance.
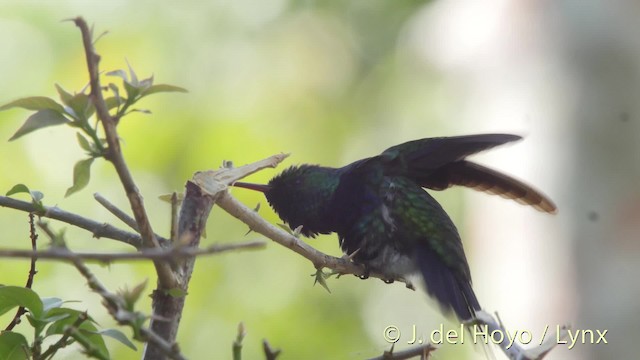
(328, 81)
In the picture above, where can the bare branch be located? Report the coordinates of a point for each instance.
(211, 179)
(99, 230)
(166, 277)
(164, 254)
(124, 217)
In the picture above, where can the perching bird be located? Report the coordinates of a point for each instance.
(387, 221)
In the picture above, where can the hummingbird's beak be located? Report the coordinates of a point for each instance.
(256, 187)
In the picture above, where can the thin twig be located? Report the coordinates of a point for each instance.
(166, 277)
(164, 254)
(98, 229)
(124, 217)
(270, 353)
(175, 207)
(32, 271)
(237, 343)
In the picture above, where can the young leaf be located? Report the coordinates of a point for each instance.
(19, 188)
(134, 77)
(162, 88)
(14, 296)
(65, 96)
(321, 278)
(12, 346)
(82, 106)
(40, 119)
(36, 196)
(119, 73)
(51, 303)
(34, 103)
(112, 102)
(118, 335)
(84, 143)
(81, 176)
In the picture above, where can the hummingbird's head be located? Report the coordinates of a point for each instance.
(301, 195)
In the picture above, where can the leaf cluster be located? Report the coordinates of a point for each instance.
(78, 111)
(49, 319)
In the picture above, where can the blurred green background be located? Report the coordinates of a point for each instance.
(331, 82)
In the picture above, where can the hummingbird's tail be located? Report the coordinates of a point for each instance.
(481, 178)
(450, 289)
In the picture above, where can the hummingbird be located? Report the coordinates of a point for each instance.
(385, 219)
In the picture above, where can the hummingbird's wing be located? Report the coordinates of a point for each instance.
(419, 157)
(438, 163)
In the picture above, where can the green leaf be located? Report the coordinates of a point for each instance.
(81, 176)
(36, 196)
(51, 303)
(118, 335)
(168, 197)
(13, 346)
(88, 336)
(34, 103)
(132, 74)
(40, 119)
(19, 188)
(82, 107)
(177, 293)
(14, 296)
(131, 296)
(162, 88)
(65, 96)
(119, 73)
(321, 278)
(84, 143)
(132, 92)
(112, 102)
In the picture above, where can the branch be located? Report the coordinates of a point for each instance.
(163, 254)
(166, 278)
(424, 351)
(124, 217)
(32, 272)
(99, 230)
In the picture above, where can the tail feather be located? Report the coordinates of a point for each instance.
(478, 177)
(451, 289)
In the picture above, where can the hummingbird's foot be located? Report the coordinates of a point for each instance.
(367, 272)
(388, 281)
